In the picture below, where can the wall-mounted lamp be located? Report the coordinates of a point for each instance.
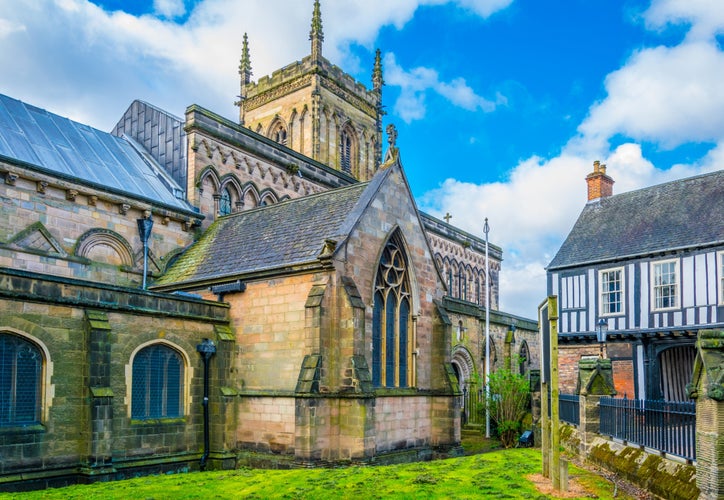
(601, 332)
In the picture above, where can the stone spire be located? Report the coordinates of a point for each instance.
(377, 81)
(245, 64)
(316, 35)
(245, 73)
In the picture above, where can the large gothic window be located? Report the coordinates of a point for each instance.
(157, 390)
(391, 330)
(21, 365)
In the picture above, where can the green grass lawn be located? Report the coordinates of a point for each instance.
(497, 474)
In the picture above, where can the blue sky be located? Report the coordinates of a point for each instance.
(501, 105)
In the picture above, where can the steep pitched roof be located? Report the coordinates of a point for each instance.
(276, 237)
(62, 147)
(680, 214)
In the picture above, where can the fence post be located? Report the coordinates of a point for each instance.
(707, 387)
(595, 379)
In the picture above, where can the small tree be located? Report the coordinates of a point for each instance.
(508, 403)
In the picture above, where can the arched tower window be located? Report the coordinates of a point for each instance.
(157, 390)
(348, 150)
(21, 365)
(225, 202)
(279, 133)
(391, 318)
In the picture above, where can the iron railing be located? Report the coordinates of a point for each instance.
(568, 408)
(665, 426)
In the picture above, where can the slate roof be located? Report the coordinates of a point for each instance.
(680, 214)
(275, 237)
(75, 151)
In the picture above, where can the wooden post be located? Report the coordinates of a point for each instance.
(555, 423)
(545, 428)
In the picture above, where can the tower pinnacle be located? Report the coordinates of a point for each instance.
(245, 63)
(377, 80)
(316, 35)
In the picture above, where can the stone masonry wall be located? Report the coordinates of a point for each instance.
(58, 228)
(88, 334)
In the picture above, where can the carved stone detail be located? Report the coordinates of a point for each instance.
(10, 178)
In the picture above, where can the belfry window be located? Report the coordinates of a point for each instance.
(279, 134)
(21, 365)
(347, 150)
(157, 390)
(391, 332)
(225, 202)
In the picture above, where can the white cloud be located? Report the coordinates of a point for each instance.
(417, 82)
(109, 59)
(704, 17)
(665, 95)
(169, 8)
(8, 27)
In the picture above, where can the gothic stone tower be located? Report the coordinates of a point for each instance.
(313, 107)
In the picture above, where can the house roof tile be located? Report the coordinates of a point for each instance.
(679, 214)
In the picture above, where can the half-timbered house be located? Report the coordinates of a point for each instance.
(650, 263)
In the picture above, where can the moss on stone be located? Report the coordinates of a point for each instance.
(675, 482)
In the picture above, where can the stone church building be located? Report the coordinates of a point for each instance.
(183, 293)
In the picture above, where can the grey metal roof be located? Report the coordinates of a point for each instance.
(275, 237)
(681, 214)
(161, 134)
(73, 150)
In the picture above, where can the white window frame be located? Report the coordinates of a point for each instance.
(621, 291)
(676, 284)
(720, 275)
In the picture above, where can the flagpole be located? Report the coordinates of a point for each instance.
(486, 230)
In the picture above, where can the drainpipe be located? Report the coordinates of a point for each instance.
(144, 231)
(207, 349)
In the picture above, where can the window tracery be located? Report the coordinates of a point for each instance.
(391, 321)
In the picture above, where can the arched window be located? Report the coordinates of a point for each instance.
(347, 150)
(21, 365)
(225, 202)
(279, 134)
(157, 390)
(524, 358)
(391, 318)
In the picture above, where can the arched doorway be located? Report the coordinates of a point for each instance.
(462, 363)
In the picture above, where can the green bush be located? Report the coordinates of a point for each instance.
(507, 404)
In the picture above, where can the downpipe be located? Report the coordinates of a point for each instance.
(206, 349)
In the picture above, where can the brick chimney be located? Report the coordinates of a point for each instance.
(599, 184)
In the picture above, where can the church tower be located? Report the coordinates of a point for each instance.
(313, 107)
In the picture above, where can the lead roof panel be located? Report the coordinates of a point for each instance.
(56, 144)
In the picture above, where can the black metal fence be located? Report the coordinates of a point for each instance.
(662, 425)
(569, 408)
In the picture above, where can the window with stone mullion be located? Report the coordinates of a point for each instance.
(391, 318)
